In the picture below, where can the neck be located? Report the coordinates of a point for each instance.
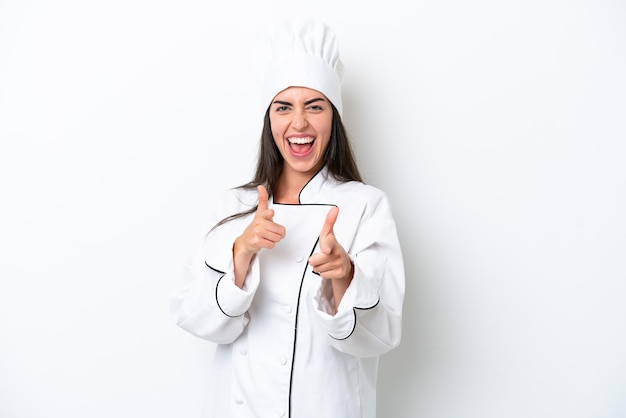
(289, 186)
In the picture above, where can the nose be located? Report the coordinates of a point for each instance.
(299, 120)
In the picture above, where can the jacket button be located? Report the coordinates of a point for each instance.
(287, 309)
(243, 351)
(283, 361)
(299, 259)
(239, 401)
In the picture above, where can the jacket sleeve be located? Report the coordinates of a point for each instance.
(368, 321)
(209, 305)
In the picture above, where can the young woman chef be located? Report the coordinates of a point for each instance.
(301, 280)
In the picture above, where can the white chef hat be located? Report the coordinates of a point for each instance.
(300, 52)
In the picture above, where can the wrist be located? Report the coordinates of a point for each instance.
(350, 274)
(239, 252)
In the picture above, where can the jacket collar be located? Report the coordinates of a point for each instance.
(310, 193)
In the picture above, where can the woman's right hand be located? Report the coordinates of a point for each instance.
(262, 232)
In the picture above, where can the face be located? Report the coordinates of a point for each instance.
(301, 121)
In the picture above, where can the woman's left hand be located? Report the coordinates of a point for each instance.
(332, 262)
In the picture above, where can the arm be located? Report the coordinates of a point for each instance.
(368, 319)
(210, 304)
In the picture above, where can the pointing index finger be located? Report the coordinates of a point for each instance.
(263, 198)
(329, 223)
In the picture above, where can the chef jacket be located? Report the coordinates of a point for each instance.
(282, 350)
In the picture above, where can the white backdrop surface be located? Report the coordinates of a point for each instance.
(496, 128)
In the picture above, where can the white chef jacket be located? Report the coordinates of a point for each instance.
(282, 351)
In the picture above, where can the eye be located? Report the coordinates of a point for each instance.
(316, 108)
(282, 108)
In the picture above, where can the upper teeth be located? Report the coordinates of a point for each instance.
(306, 140)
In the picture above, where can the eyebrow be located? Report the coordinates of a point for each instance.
(308, 102)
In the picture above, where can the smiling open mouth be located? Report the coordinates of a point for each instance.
(301, 146)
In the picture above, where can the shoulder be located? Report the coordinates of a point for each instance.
(236, 200)
(357, 189)
(356, 194)
(246, 196)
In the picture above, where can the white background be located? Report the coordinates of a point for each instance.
(496, 128)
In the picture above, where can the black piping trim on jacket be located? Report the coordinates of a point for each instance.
(307, 183)
(216, 286)
(295, 328)
(354, 327)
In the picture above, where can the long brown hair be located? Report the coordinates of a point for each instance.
(338, 159)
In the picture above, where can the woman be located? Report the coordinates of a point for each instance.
(301, 280)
